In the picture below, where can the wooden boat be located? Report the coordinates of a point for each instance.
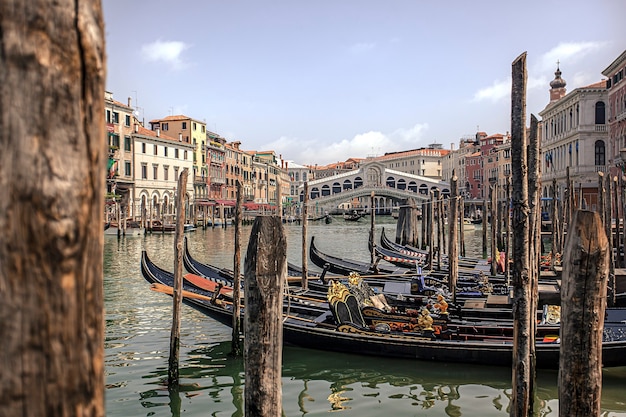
(157, 226)
(344, 266)
(342, 328)
(353, 217)
(133, 228)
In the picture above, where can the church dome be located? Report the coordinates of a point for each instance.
(558, 82)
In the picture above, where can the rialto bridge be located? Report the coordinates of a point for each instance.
(353, 190)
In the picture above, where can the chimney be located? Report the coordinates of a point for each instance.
(130, 102)
(180, 137)
(452, 146)
(136, 127)
(158, 132)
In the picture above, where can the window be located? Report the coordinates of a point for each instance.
(143, 148)
(114, 140)
(194, 126)
(144, 171)
(164, 126)
(175, 172)
(127, 120)
(116, 117)
(165, 172)
(184, 125)
(176, 153)
(127, 168)
(600, 152)
(165, 151)
(600, 113)
(155, 149)
(185, 155)
(155, 172)
(127, 143)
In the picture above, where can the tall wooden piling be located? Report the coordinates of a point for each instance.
(534, 181)
(453, 259)
(521, 403)
(583, 304)
(485, 220)
(461, 226)
(431, 231)
(608, 228)
(177, 297)
(236, 339)
(507, 252)
(265, 272)
(493, 209)
(53, 70)
(372, 229)
(305, 222)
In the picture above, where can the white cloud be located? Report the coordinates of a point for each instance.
(497, 91)
(366, 144)
(166, 51)
(568, 52)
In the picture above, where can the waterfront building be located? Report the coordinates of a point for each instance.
(425, 162)
(616, 115)
(265, 178)
(575, 136)
(159, 159)
(119, 176)
(194, 132)
(298, 175)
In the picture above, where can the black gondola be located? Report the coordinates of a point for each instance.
(342, 266)
(330, 330)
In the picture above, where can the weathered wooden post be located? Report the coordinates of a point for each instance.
(305, 221)
(553, 225)
(608, 228)
(177, 296)
(494, 228)
(52, 131)
(523, 339)
(507, 257)
(372, 229)
(431, 231)
(485, 191)
(534, 181)
(265, 272)
(425, 216)
(440, 222)
(583, 304)
(453, 258)
(236, 339)
(461, 227)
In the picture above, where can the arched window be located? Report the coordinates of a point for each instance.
(401, 185)
(347, 185)
(600, 152)
(325, 190)
(315, 193)
(600, 114)
(336, 188)
(358, 182)
(391, 182)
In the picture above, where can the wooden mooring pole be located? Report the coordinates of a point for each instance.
(305, 221)
(583, 304)
(453, 222)
(523, 338)
(265, 272)
(177, 297)
(236, 339)
(372, 229)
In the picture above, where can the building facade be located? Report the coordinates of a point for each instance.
(574, 138)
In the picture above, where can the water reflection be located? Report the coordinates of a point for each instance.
(314, 383)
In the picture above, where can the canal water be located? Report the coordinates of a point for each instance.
(315, 383)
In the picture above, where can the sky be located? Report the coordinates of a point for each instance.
(323, 81)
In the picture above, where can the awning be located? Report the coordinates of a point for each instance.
(228, 203)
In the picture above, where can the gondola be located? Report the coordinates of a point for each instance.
(342, 266)
(353, 217)
(342, 329)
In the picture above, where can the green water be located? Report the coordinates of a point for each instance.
(314, 383)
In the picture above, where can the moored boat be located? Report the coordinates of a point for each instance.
(342, 328)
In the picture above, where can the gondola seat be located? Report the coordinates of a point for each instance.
(344, 306)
